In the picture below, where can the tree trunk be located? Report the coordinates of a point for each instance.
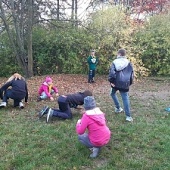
(21, 13)
(76, 17)
(19, 39)
(58, 10)
(72, 12)
(11, 38)
(30, 58)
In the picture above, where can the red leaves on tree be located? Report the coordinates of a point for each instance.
(149, 6)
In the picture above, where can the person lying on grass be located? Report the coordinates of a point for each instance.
(65, 102)
(93, 120)
(17, 91)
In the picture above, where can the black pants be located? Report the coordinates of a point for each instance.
(16, 97)
(64, 110)
(91, 76)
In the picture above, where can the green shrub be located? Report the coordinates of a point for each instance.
(153, 41)
(8, 62)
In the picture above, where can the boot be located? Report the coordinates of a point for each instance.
(95, 152)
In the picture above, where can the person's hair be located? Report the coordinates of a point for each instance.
(15, 76)
(122, 52)
(87, 93)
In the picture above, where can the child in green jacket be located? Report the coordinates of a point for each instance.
(92, 62)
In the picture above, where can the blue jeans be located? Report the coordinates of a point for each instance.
(84, 139)
(125, 99)
(44, 96)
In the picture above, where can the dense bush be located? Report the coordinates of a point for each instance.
(153, 43)
(64, 49)
(8, 63)
(60, 50)
(113, 30)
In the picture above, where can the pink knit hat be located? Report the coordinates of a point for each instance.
(48, 79)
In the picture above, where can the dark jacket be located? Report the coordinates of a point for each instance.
(19, 88)
(1, 94)
(75, 99)
(121, 74)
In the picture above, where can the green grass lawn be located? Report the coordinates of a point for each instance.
(27, 143)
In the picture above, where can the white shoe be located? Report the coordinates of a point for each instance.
(21, 105)
(129, 119)
(43, 111)
(118, 110)
(3, 104)
(95, 152)
(49, 115)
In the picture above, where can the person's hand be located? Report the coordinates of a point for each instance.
(82, 111)
(57, 94)
(93, 60)
(51, 98)
(79, 107)
(112, 84)
(79, 121)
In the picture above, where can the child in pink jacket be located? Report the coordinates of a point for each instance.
(93, 120)
(47, 89)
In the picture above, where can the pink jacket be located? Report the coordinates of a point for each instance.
(98, 132)
(45, 88)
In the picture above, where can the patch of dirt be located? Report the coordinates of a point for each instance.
(150, 88)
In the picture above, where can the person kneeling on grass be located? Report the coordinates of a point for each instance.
(94, 121)
(17, 91)
(65, 102)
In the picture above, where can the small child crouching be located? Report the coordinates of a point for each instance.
(94, 121)
(47, 89)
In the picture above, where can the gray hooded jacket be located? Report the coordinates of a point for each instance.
(121, 73)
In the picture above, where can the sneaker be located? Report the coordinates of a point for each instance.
(95, 152)
(118, 110)
(3, 104)
(129, 119)
(49, 115)
(168, 109)
(21, 105)
(43, 111)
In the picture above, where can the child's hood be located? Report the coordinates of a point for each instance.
(97, 115)
(48, 79)
(120, 63)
